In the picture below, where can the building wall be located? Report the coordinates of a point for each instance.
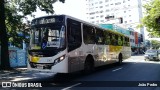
(97, 10)
(129, 10)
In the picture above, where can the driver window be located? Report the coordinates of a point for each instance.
(53, 35)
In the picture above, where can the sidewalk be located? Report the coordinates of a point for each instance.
(14, 71)
(137, 54)
(23, 75)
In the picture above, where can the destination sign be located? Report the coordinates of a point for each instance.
(46, 20)
(43, 21)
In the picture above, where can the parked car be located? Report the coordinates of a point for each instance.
(159, 54)
(152, 54)
(158, 51)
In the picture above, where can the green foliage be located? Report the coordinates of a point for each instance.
(16, 12)
(155, 44)
(151, 16)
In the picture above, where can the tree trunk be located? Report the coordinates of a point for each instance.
(5, 64)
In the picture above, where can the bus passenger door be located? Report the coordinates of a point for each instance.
(74, 43)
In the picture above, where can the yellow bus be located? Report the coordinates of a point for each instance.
(64, 44)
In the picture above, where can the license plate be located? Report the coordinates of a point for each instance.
(39, 67)
(151, 58)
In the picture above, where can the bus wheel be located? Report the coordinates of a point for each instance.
(120, 59)
(88, 66)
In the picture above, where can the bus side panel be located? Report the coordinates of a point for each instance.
(61, 67)
(126, 52)
(92, 49)
(113, 53)
(102, 52)
(76, 60)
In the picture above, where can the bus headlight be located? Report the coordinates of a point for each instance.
(59, 59)
(34, 59)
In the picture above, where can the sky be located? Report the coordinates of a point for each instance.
(75, 8)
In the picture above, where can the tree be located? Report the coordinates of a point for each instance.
(4, 40)
(151, 19)
(13, 12)
(155, 44)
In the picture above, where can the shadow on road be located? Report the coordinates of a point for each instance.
(63, 80)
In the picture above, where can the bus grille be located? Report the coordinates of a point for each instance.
(41, 65)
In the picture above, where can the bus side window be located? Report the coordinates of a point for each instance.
(128, 42)
(124, 43)
(109, 39)
(119, 41)
(116, 40)
(113, 39)
(106, 38)
(88, 34)
(99, 36)
(122, 40)
(74, 34)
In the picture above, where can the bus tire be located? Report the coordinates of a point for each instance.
(120, 59)
(89, 65)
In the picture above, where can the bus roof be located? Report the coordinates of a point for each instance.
(94, 25)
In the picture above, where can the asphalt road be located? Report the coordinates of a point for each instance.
(133, 74)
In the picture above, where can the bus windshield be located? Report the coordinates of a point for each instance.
(48, 37)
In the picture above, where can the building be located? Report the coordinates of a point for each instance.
(124, 13)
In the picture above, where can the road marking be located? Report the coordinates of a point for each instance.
(71, 86)
(117, 69)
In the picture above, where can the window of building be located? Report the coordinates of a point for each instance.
(102, 20)
(97, 12)
(100, 2)
(106, 0)
(101, 12)
(96, 2)
(92, 13)
(92, 22)
(107, 5)
(101, 7)
(107, 10)
(101, 16)
(92, 18)
(118, 3)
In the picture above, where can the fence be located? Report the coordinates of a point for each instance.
(17, 57)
